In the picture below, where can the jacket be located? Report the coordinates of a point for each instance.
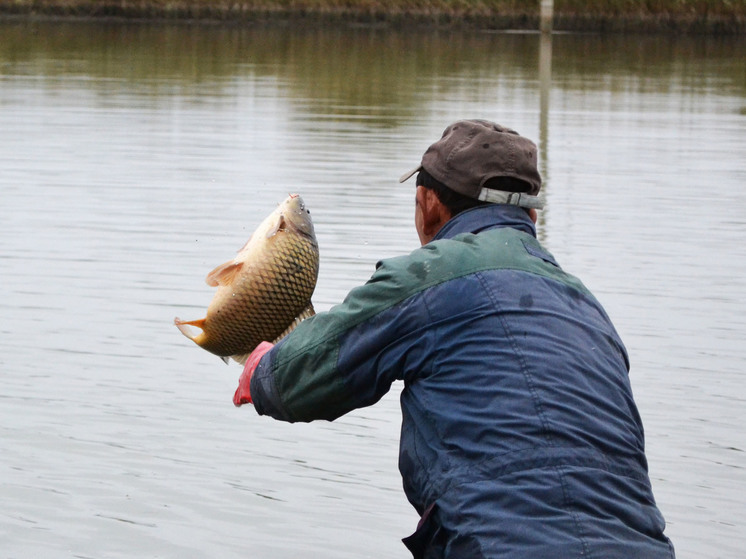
(520, 436)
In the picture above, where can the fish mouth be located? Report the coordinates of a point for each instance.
(298, 218)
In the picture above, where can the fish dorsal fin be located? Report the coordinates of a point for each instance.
(224, 274)
(277, 226)
(308, 312)
(240, 358)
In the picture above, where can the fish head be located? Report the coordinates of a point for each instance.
(297, 216)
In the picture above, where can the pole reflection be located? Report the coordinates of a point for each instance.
(545, 86)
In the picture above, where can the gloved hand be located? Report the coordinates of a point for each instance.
(243, 392)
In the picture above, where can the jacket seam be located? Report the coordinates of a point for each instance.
(538, 406)
(425, 467)
(585, 553)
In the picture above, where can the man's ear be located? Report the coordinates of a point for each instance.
(434, 213)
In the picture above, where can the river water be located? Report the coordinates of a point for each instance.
(136, 157)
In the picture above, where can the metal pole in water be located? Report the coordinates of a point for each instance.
(545, 82)
(546, 16)
(545, 86)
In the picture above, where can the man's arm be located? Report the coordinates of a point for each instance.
(345, 358)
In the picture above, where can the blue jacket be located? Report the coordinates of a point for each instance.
(520, 437)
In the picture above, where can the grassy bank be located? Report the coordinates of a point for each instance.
(710, 16)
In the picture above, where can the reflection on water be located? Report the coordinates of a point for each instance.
(545, 89)
(137, 157)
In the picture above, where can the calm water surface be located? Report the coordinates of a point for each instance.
(135, 158)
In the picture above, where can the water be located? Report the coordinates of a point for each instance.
(136, 157)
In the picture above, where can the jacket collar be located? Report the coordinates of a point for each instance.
(490, 216)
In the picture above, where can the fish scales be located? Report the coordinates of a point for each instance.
(266, 290)
(256, 313)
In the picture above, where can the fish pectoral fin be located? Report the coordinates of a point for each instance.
(224, 274)
(277, 226)
(183, 326)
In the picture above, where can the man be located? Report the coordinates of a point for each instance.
(520, 437)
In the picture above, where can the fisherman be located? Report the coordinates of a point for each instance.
(520, 437)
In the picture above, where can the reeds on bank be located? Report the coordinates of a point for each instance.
(611, 15)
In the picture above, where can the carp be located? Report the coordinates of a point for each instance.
(265, 291)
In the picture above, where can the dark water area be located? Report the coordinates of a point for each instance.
(136, 157)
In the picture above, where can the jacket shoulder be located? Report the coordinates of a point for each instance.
(469, 253)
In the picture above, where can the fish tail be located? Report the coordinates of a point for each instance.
(183, 326)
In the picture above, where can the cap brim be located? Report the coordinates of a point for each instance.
(408, 175)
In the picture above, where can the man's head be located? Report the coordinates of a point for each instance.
(475, 162)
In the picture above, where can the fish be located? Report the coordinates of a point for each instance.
(265, 291)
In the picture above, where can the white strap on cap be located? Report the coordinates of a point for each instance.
(515, 198)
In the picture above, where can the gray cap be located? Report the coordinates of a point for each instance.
(471, 152)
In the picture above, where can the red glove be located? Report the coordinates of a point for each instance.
(243, 392)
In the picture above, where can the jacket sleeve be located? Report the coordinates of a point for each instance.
(345, 358)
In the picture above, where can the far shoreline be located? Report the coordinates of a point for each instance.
(612, 16)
